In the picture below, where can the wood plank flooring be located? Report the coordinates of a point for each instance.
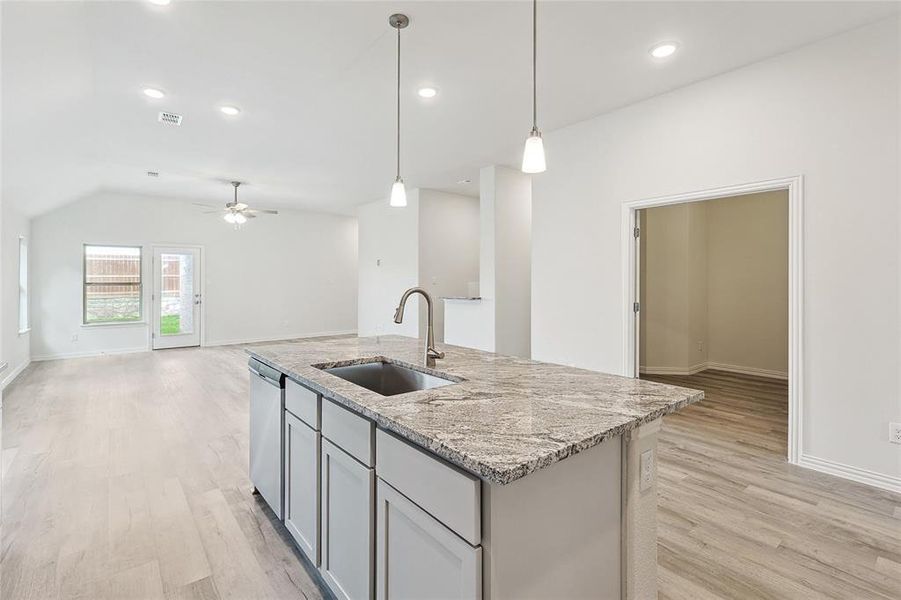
(126, 477)
(737, 521)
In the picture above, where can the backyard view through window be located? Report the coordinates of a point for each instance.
(112, 284)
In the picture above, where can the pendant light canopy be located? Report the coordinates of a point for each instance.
(533, 154)
(398, 191)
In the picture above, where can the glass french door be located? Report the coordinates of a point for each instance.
(177, 300)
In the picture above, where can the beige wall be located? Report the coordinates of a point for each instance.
(714, 286)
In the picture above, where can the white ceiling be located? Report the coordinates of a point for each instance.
(315, 81)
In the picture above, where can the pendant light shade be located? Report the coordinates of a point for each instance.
(398, 194)
(533, 160)
(533, 154)
(398, 191)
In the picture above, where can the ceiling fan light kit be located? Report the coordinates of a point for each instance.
(237, 213)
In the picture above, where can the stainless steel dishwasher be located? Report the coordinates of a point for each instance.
(267, 399)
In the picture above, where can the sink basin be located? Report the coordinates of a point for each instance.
(388, 379)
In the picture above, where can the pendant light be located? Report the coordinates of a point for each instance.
(398, 191)
(533, 153)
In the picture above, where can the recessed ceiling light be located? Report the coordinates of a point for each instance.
(664, 49)
(160, 2)
(154, 93)
(427, 92)
(230, 110)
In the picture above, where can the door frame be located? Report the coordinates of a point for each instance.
(795, 188)
(200, 285)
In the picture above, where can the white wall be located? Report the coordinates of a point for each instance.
(15, 346)
(281, 276)
(829, 112)
(501, 320)
(388, 265)
(448, 250)
(512, 262)
(432, 243)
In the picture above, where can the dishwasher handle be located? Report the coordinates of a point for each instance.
(267, 373)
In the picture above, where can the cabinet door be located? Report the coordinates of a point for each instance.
(348, 489)
(418, 558)
(302, 485)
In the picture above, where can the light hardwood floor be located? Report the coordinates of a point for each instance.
(125, 477)
(737, 521)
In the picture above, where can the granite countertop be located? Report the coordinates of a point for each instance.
(505, 418)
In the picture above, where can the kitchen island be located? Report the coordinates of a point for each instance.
(511, 479)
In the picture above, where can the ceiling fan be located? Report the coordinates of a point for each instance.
(236, 212)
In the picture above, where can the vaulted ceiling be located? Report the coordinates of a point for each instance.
(315, 82)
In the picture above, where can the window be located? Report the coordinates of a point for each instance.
(112, 284)
(23, 285)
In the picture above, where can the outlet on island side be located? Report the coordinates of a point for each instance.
(894, 433)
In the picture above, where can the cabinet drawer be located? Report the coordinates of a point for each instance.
(349, 431)
(446, 492)
(302, 403)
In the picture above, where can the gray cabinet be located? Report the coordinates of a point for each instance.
(302, 485)
(418, 558)
(348, 488)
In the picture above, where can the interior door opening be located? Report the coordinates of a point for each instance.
(177, 297)
(713, 297)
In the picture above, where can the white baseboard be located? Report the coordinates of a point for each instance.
(747, 370)
(295, 336)
(879, 480)
(672, 370)
(89, 353)
(13, 374)
(713, 365)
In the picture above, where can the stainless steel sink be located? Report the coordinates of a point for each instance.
(388, 379)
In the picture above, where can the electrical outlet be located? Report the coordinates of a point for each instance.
(74, 337)
(700, 346)
(646, 470)
(894, 433)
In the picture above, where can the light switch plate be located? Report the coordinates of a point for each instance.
(646, 472)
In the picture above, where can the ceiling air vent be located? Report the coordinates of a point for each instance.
(170, 118)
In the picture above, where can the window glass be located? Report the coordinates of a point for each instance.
(112, 284)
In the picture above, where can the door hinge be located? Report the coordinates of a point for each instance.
(153, 336)
(636, 232)
(636, 307)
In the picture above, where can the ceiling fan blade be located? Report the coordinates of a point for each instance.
(249, 216)
(204, 205)
(266, 211)
(213, 212)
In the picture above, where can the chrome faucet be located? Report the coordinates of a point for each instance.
(431, 353)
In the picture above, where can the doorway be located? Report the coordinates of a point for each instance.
(632, 229)
(177, 299)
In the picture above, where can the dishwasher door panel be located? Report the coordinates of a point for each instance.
(266, 441)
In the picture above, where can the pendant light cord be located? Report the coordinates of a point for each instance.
(398, 104)
(534, 64)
